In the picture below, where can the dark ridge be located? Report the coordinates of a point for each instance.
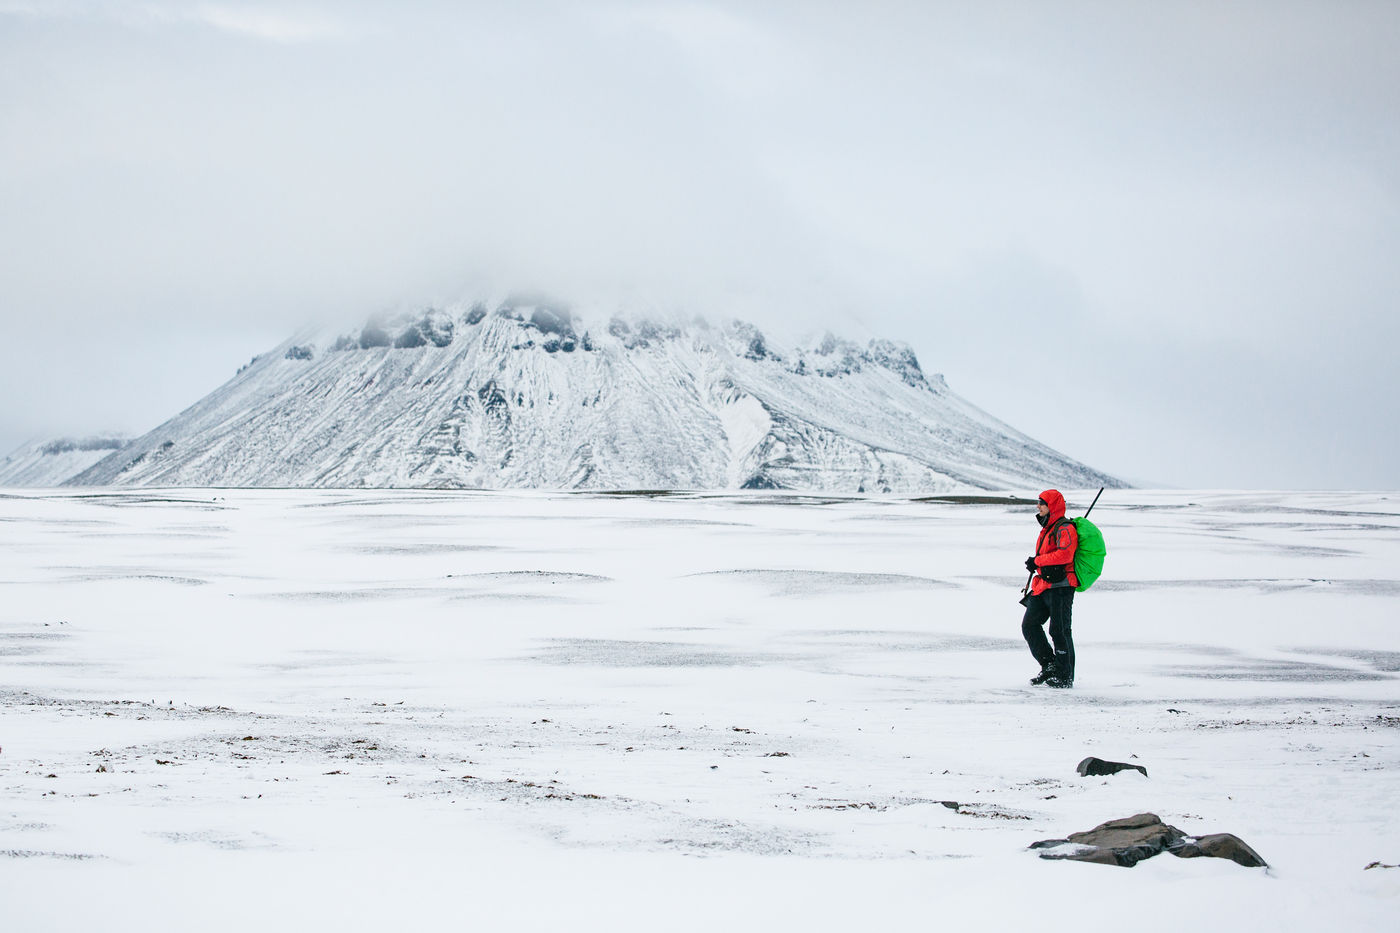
(91, 443)
(761, 481)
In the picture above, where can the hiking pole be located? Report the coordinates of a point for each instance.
(1026, 590)
(1092, 504)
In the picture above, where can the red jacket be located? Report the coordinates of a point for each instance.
(1057, 543)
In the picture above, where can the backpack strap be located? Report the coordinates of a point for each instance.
(1051, 530)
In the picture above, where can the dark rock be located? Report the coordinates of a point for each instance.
(1219, 845)
(298, 353)
(1123, 857)
(760, 481)
(1128, 841)
(1097, 767)
(475, 315)
(831, 344)
(553, 321)
(656, 330)
(639, 333)
(1122, 842)
(64, 445)
(374, 336)
(436, 327)
(899, 358)
(1142, 829)
(751, 341)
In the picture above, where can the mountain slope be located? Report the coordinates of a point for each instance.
(526, 396)
(49, 463)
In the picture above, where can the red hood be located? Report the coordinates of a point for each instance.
(1052, 498)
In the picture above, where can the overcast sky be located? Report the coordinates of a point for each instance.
(1163, 238)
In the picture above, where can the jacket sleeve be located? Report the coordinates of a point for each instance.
(1060, 547)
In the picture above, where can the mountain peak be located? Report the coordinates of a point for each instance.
(552, 326)
(531, 392)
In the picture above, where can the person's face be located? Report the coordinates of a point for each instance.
(1042, 510)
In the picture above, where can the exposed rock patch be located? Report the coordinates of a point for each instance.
(1096, 767)
(1128, 841)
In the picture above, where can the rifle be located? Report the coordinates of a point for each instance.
(1026, 590)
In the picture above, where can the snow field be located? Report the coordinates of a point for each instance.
(533, 710)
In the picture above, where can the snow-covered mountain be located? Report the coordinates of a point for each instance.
(49, 463)
(524, 394)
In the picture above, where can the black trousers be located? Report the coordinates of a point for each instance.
(1057, 605)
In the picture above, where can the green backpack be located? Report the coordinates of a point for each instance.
(1088, 557)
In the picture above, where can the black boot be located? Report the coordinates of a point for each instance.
(1061, 674)
(1046, 674)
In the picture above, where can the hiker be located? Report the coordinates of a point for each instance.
(1051, 594)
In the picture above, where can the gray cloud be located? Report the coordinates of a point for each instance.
(1194, 204)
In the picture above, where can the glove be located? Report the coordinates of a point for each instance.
(1053, 574)
(1030, 564)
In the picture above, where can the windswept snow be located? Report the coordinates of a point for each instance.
(376, 710)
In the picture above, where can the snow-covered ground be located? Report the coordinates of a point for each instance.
(333, 710)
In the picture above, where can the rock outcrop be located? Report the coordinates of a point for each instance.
(1128, 841)
(1097, 767)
